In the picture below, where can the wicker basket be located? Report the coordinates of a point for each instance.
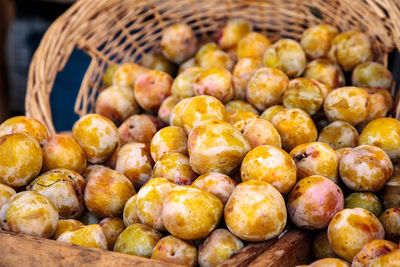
(123, 30)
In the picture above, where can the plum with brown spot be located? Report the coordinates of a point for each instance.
(314, 201)
(138, 128)
(151, 89)
(372, 250)
(316, 158)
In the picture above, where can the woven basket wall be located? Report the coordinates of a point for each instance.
(123, 30)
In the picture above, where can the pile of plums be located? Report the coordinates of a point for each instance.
(205, 146)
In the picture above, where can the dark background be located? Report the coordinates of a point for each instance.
(25, 22)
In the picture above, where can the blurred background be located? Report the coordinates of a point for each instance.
(22, 25)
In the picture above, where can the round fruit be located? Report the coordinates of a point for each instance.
(178, 42)
(390, 220)
(304, 94)
(218, 184)
(372, 250)
(138, 128)
(218, 247)
(216, 82)
(216, 59)
(383, 133)
(216, 146)
(350, 104)
(350, 49)
(88, 236)
(240, 118)
(252, 45)
(391, 193)
(137, 239)
(321, 248)
(134, 161)
(390, 259)
(341, 151)
(286, 55)
(164, 113)
(175, 167)
(351, 229)
(112, 228)
(176, 251)
(177, 112)
(329, 262)
(325, 89)
(266, 87)
(63, 190)
(271, 111)
(325, 71)
(126, 74)
(239, 88)
(22, 124)
(182, 87)
(246, 67)
(157, 61)
(20, 159)
(109, 74)
(255, 211)
(130, 215)
(316, 158)
(365, 168)
(316, 40)
(204, 49)
(269, 164)
(339, 134)
(116, 103)
(29, 213)
(236, 105)
(78, 180)
(191, 213)
(152, 88)
(168, 140)
(231, 33)
(6, 192)
(261, 132)
(97, 135)
(387, 95)
(150, 201)
(107, 192)
(372, 74)
(295, 127)
(201, 109)
(65, 225)
(61, 151)
(90, 170)
(364, 200)
(314, 201)
(379, 104)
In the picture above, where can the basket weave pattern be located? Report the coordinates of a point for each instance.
(113, 31)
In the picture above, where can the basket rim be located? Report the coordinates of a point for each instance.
(56, 46)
